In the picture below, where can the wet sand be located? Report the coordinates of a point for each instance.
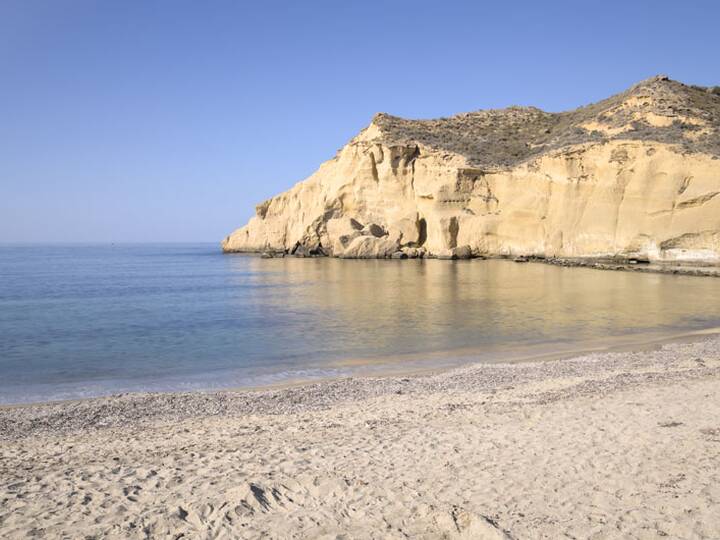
(608, 445)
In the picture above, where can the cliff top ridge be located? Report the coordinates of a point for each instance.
(655, 109)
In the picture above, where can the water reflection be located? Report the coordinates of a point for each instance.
(89, 320)
(357, 309)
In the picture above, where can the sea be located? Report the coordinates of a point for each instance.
(80, 321)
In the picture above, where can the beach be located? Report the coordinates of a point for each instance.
(607, 445)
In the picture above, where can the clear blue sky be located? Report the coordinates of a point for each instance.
(157, 120)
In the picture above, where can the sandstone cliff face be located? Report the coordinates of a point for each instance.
(637, 175)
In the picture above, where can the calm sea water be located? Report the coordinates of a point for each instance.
(80, 321)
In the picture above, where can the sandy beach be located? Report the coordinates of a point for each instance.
(611, 445)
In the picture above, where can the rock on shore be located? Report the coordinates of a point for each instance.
(634, 176)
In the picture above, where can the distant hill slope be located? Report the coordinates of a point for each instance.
(635, 175)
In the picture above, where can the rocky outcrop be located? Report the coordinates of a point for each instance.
(634, 176)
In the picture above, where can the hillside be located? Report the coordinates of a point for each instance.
(657, 109)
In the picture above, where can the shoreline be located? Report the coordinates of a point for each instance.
(699, 268)
(388, 369)
(607, 445)
(49, 414)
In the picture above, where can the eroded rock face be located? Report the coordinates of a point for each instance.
(637, 175)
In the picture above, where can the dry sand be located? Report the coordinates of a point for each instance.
(616, 445)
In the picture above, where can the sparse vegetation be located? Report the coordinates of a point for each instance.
(502, 138)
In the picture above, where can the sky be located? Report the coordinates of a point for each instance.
(168, 121)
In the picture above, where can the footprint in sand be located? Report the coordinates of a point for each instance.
(461, 524)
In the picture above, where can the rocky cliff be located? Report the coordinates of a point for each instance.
(634, 176)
